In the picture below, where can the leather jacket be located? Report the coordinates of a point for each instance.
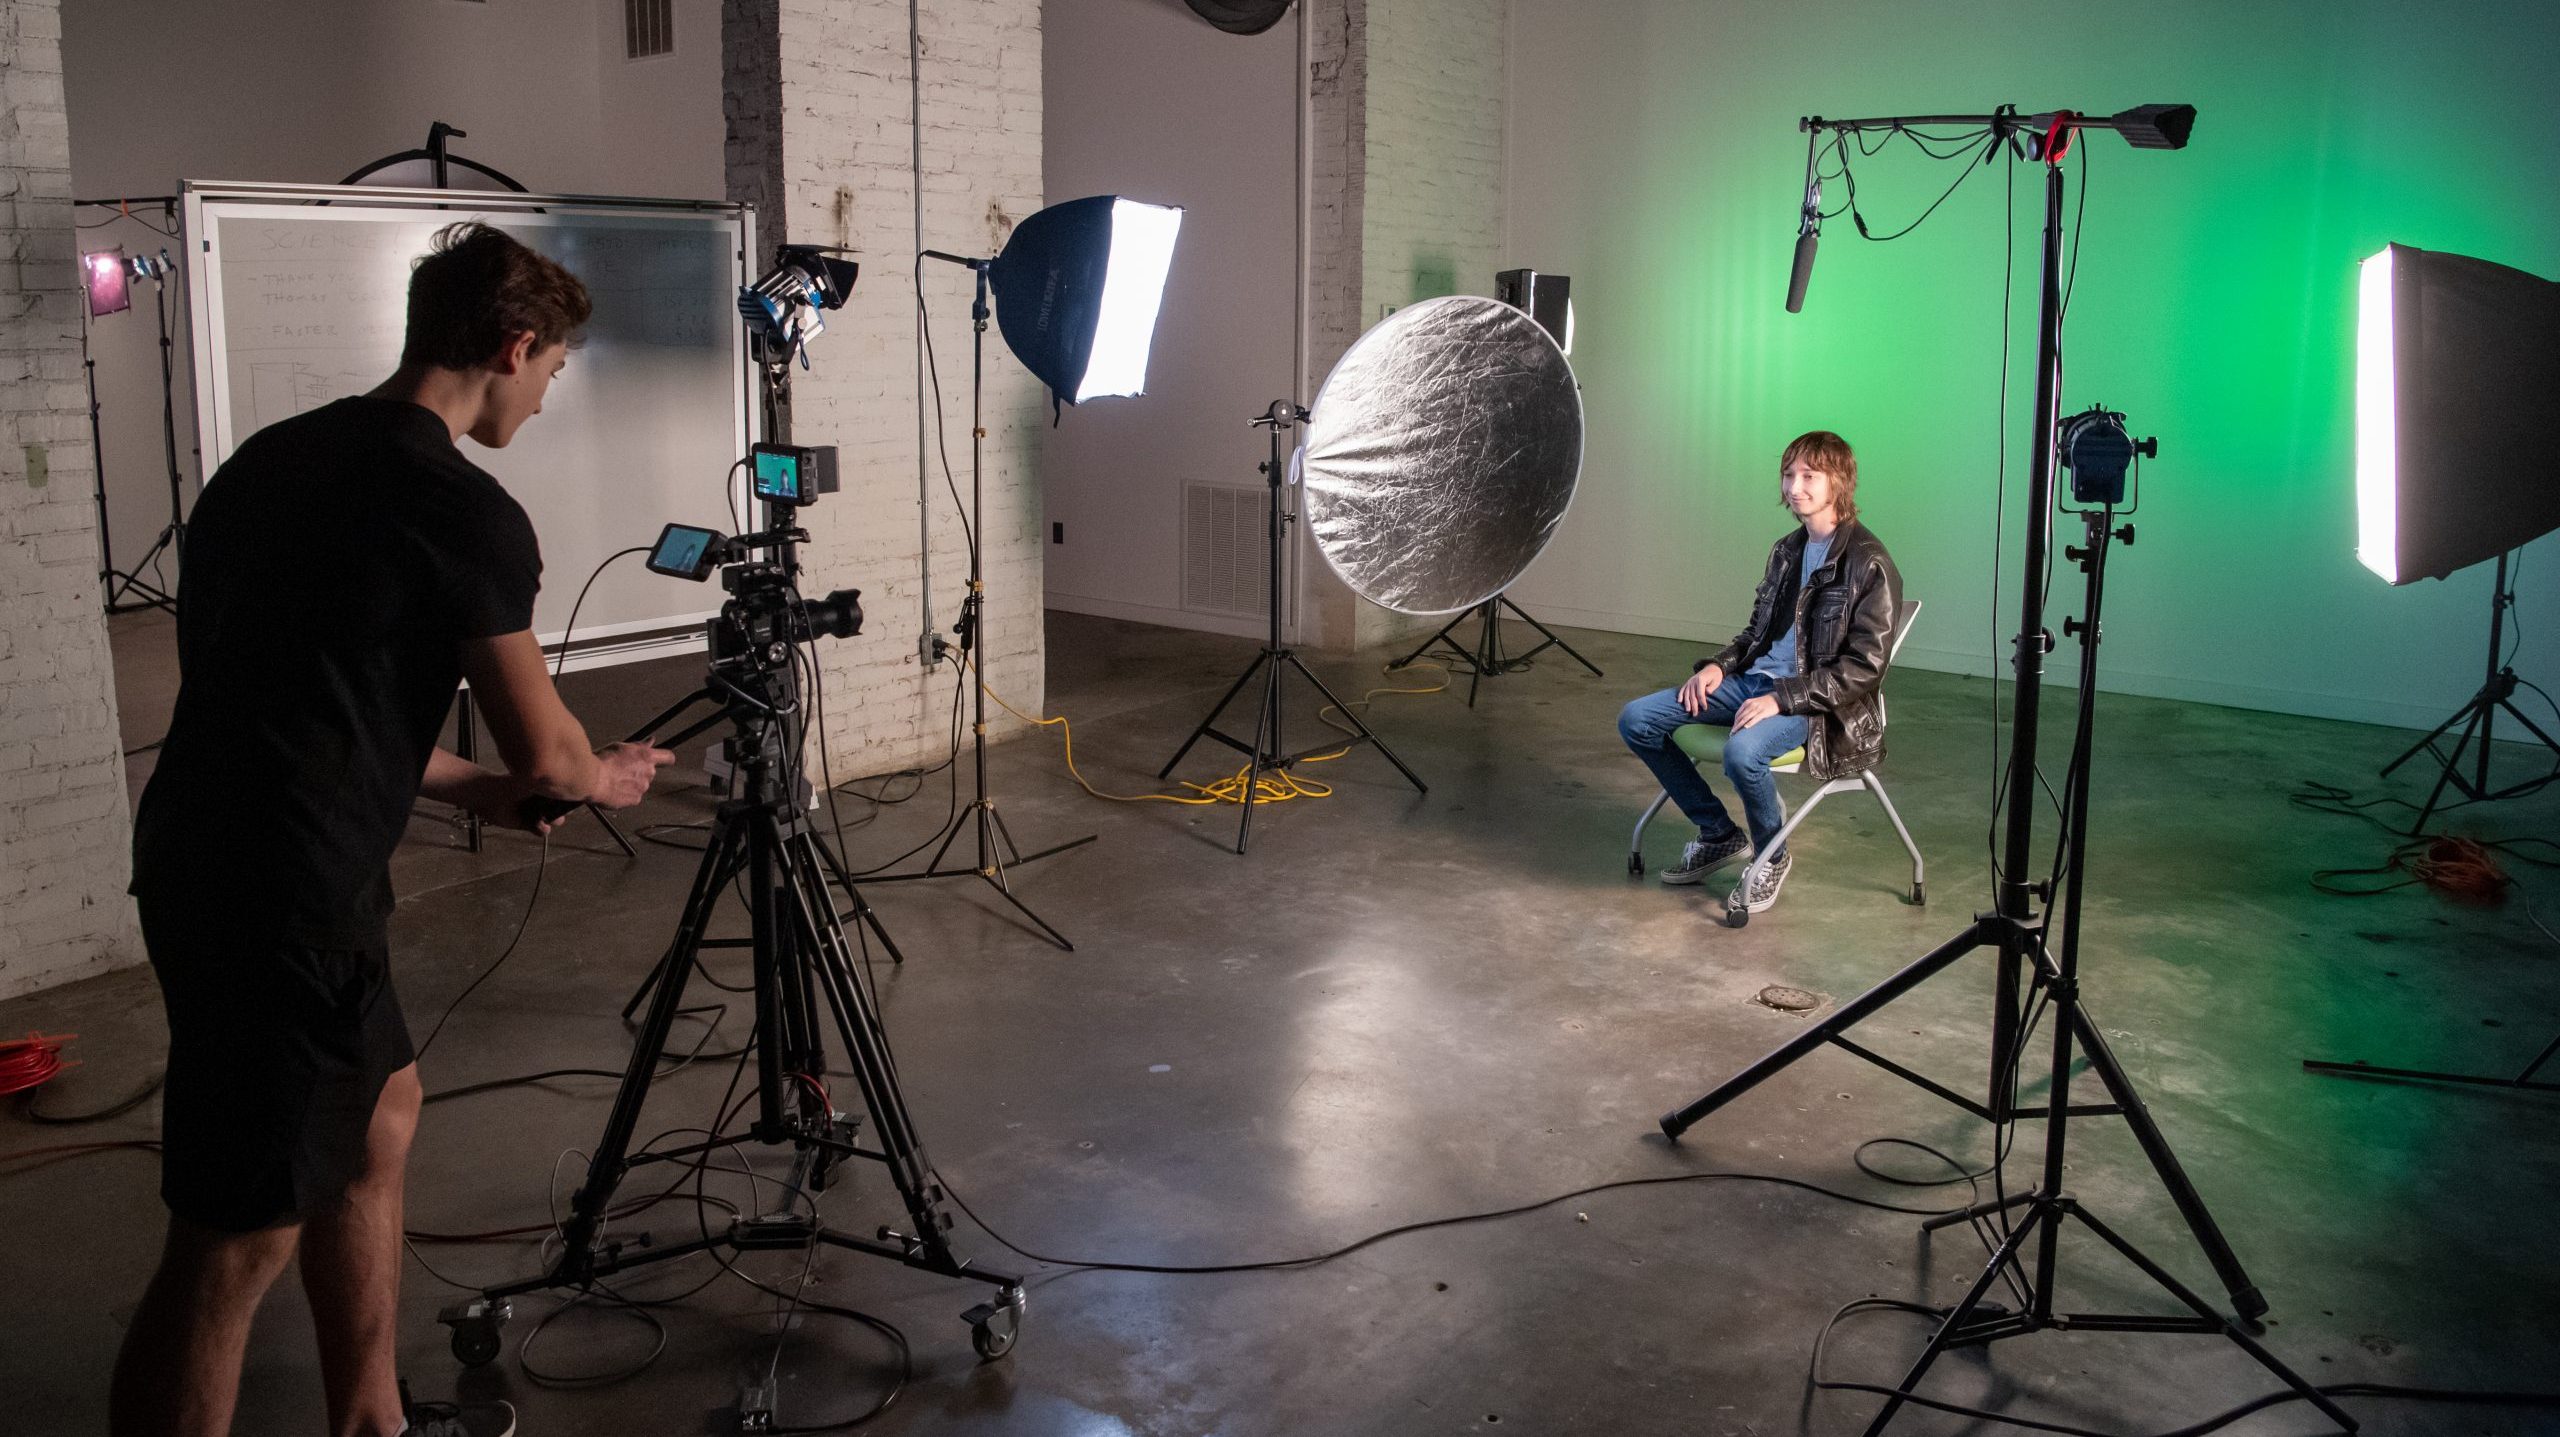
(1844, 622)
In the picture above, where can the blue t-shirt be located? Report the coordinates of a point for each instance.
(1782, 660)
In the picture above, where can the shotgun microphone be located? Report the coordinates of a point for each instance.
(1808, 233)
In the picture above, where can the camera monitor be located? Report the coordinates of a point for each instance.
(792, 474)
(685, 552)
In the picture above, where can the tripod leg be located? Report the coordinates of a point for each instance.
(1265, 720)
(2423, 744)
(861, 905)
(2535, 1066)
(866, 1052)
(1488, 651)
(1849, 1015)
(1441, 637)
(1958, 1315)
(2230, 1329)
(1356, 722)
(1210, 721)
(606, 1167)
(614, 831)
(2520, 716)
(1006, 889)
(2451, 774)
(2245, 1297)
(1551, 637)
(658, 974)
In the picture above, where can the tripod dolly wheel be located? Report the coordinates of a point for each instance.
(994, 1325)
(475, 1327)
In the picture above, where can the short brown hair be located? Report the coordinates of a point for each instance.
(476, 289)
(1821, 449)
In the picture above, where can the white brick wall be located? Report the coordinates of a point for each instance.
(64, 833)
(1407, 195)
(817, 101)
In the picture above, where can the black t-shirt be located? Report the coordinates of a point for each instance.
(333, 568)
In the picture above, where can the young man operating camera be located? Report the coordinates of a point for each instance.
(345, 569)
(1804, 673)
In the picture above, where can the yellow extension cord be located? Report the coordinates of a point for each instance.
(1275, 786)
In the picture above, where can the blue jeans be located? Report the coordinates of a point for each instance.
(1646, 725)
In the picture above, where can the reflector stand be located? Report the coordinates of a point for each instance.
(1269, 750)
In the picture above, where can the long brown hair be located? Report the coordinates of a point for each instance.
(1821, 449)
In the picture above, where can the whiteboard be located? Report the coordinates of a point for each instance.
(302, 302)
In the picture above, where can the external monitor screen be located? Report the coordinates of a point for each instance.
(683, 551)
(781, 474)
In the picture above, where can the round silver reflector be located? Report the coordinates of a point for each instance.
(1443, 452)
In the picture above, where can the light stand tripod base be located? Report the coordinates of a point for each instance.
(1969, 1324)
(2478, 719)
(1486, 659)
(1269, 751)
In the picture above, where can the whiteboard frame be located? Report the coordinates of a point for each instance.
(633, 641)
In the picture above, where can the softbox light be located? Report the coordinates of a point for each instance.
(1076, 292)
(2457, 360)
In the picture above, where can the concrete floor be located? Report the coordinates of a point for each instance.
(1398, 1009)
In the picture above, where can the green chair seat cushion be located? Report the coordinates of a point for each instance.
(1704, 743)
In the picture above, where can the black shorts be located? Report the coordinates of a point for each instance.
(277, 1055)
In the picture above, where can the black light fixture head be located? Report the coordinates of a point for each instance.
(2155, 127)
(108, 276)
(784, 308)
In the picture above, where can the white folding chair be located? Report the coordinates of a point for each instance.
(1704, 743)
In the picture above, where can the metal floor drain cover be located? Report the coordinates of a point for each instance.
(1788, 1000)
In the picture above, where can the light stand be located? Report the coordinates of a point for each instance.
(2016, 931)
(1269, 751)
(173, 537)
(995, 850)
(112, 581)
(2478, 717)
(1487, 659)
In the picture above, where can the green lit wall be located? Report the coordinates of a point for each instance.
(1652, 154)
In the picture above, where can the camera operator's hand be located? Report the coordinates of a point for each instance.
(624, 772)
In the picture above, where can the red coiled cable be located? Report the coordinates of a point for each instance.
(32, 1060)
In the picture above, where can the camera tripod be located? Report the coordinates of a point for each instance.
(805, 973)
(2020, 936)
(1269, 751)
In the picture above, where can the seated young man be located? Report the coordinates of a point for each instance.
(347, 568)
(1805, 673)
